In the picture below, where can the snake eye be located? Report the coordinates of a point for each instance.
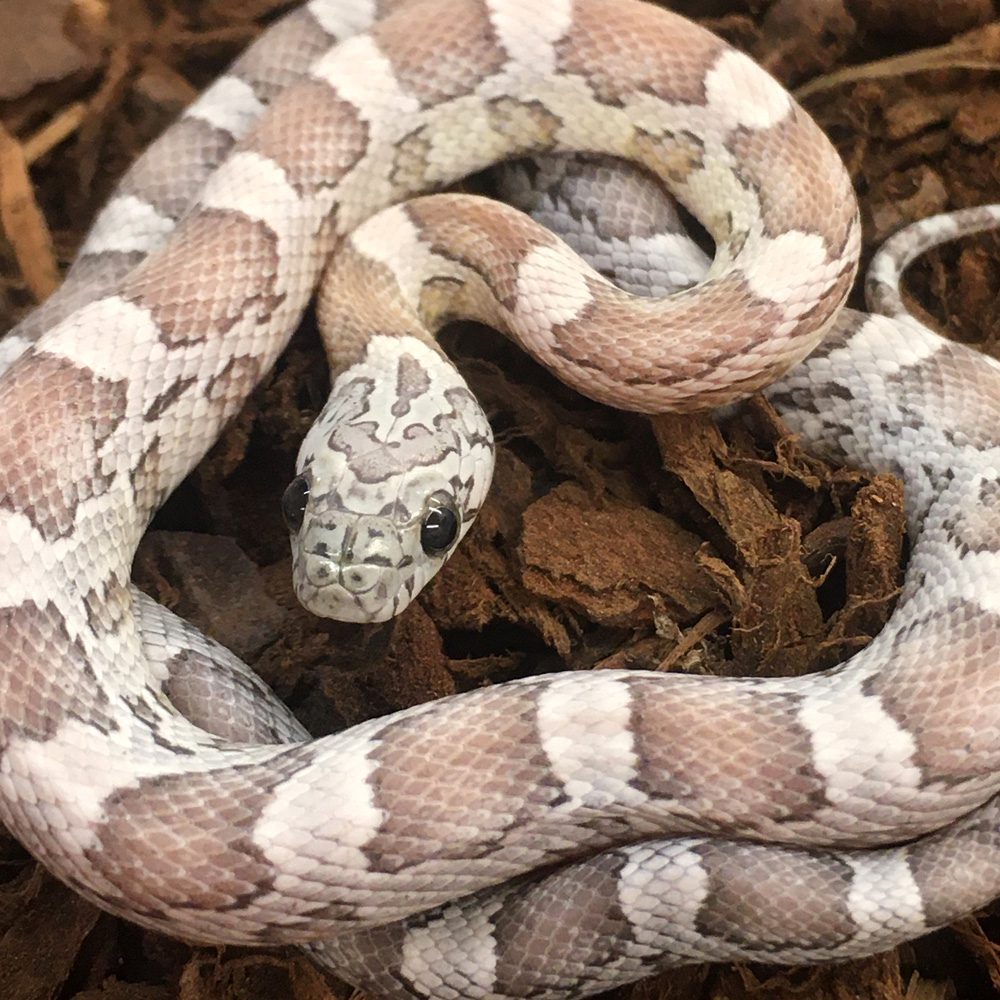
(440, 527)
(293, 502)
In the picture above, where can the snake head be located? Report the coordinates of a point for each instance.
(389, 479)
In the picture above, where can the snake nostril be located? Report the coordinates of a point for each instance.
(360, 579)
(320, 549)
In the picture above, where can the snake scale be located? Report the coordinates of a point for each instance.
(690, 818)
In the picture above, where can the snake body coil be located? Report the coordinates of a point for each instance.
(764, 844)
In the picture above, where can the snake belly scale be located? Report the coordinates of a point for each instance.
(178, 306)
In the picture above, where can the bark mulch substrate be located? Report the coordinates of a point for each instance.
(609, 540)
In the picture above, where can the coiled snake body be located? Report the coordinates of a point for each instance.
(774, 795)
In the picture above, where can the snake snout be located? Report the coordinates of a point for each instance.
(323, 570)
(350, 567)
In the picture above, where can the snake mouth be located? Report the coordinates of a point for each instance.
(340, 604)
